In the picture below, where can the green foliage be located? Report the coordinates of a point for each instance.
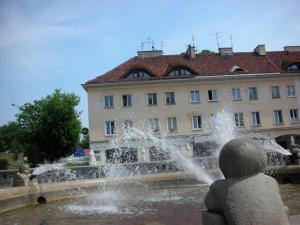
(206, 52)
(10, 137)
(50, 127)
(85, 141)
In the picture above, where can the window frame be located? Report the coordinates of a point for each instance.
(193, 122)
(112, 129)
(155, 128)
(253, 96)
(110, 101)
(173, 121)
(234, 94)
(239, 119)
(193, 93)
(275, 92)
(153, 97)
(289, 92)
(171, 97)
(277, 115)
(292, 118)
(257, 119)
(126, 128)
(214, 93)
(128, 100)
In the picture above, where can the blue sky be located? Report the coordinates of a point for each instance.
(61, 44)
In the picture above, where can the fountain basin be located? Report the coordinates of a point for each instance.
(16, 197)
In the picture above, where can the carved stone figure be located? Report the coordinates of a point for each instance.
(295, 150)
(246, 196)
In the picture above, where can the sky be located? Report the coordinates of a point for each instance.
(46, 45)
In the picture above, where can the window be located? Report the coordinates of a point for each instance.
(294, 116)
(255, 119)
(278, 119)
(237, 69)
(291, 91)
(109, 128)
(126, 100)
(138, 74)
(157, 154)
(196, 122)
(152, 99)
(236, 94)
(275, 92)
(239, 119)
(108, 101)
(253, 95)
(194, 96)
(213, 95)
(128, 126)
(293, 66)
(170, 98)
(177, 71)
(154, 125)
(172, 125)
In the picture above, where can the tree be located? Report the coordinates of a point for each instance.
(50, 127)
(85, 141)
(10, 137)
(206, 52)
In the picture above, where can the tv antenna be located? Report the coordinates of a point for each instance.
(193, 41)
(231, 41)
(217, 34)
(162, 45)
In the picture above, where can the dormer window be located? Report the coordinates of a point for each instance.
(138, 74)
(293, 66)
(179, 71)
(237, 69)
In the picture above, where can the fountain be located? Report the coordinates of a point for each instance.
(174, 196)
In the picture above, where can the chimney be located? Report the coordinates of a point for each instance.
(291, 48)
(226, 51)
(191, 52)
(260, 50)
(148, 54)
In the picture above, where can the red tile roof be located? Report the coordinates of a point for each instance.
(202, 65)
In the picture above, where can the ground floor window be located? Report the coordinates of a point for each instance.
(294, 116)
(122, 155)
(278, 119)
(196, 122)
(239, 119)
(157, 155)
(204, 149)
(255, 119)
(109, 128)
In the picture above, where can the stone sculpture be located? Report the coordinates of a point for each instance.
(246, 196)
(295, 150)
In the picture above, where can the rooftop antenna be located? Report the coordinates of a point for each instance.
(149, 42)
(153, 45)
(143, 45)
(231, 41)
(193, 41)
(162, 44)
(217, 38)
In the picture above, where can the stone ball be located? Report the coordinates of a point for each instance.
(242, 157)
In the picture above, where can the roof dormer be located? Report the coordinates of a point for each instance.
(295, 66)
(137, 73)
(236, 69)
(179, 71)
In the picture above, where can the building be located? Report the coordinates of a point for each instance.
(175, 95)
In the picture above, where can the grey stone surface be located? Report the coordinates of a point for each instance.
(242, 157)
(246, 196)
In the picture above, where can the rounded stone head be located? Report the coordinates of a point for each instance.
(242, 157)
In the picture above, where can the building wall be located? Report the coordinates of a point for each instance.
(183, 110)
